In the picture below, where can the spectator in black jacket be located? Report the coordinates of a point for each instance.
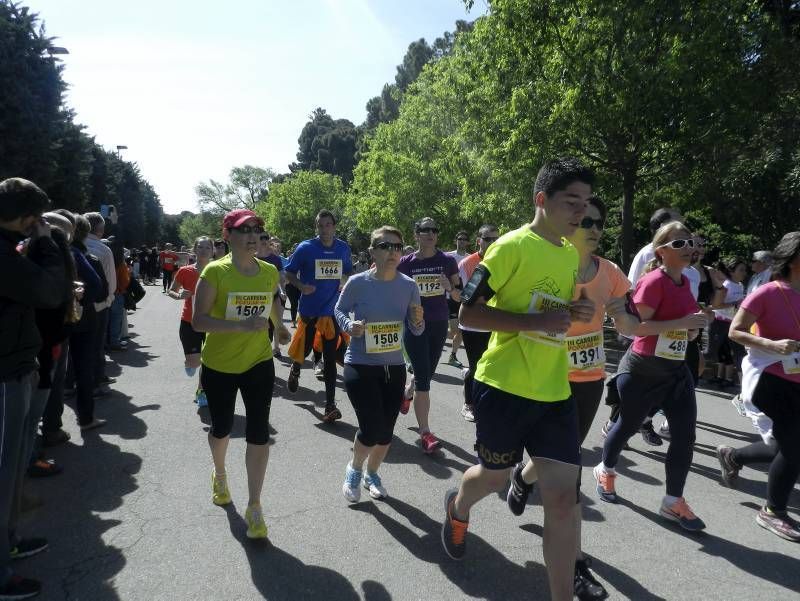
(24, 287)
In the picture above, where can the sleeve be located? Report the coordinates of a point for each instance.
(344, 306)
(32, 283)
(501, 263)
(619, 283)
(451, 266)
(402, 267)
(297, 258)
(648, 292)
(179, 277)
(91, 281)
(415, 300)
(347, 261)
(637, 267)
(755, 302)
(211, 275)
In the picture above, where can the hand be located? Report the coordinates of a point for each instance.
(717, 277)
(695, 321)
(552, 321)
(615, 306)
(78, 291)
(357, 328)
(254, 324)
(445, 283)
(185, 294)
(416, 315)
(785, 346)
(284, 336)
(308, 289)
(583, 308)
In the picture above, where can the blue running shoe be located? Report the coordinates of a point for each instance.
(190, 371)
(200, 398)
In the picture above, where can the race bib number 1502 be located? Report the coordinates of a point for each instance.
(244, 305)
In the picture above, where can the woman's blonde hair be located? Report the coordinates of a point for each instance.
(661, 237)
(200, 239)
(383, 230)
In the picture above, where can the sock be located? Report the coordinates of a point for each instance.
(190, 371)
(606, 469)
(423, 431)
(669, 500)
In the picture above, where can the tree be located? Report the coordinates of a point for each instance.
(248, 186)
(327, 145)
(191, 226)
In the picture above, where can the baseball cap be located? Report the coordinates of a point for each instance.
(237, 217)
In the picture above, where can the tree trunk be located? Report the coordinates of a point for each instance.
(628, 190)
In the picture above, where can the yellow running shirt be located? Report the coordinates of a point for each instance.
(528, 273)
(238, 297)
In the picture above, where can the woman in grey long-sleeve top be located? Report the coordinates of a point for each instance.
(382, 302)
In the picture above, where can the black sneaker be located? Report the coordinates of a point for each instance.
(518, 492)
(19, 588)
(332, 413)
(27, 547)
(587, 588)
(728, 467)
(454, 532)
(293, 381)
(649, 435)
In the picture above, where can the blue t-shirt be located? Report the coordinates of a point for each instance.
(384, 304)
(322, 267)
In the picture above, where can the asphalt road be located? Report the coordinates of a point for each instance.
(131, 517)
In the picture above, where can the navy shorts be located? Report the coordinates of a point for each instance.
(191, 339)
(507, 424)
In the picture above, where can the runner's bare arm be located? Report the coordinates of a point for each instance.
(740, 332)
(651, 327)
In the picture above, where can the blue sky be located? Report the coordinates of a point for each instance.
(194, 88)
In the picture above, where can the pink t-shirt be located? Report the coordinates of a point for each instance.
(772, 305)
(670, 301)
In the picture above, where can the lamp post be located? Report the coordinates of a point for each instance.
(119, 148)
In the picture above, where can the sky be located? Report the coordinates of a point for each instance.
(194, 88)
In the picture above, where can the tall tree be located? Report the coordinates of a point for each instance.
(327, 145)
(248, 186)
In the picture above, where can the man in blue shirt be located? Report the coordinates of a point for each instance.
(319, 268)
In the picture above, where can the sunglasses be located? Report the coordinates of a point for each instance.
(489, 239)
(462, 239)
(396, 246)
(264, 238)
(588, 222)
(428, 230)
(679, 244)
(249, 229)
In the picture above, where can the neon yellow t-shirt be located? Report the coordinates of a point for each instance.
(528, 274)
(238, 297)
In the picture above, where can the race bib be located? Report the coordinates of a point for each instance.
(672, 345)
(429, 284)
(586, 352)
(328, 269)
(168, 261)
(543, 303)
(791, 364)
(383, 336)
(244, 305)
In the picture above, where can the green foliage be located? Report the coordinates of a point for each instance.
(248, 186)
(327, 145)
(191, 226)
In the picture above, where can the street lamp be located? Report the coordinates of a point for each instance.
(57, 50)
(121, 147)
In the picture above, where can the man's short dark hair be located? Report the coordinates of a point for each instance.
(21, 198)
(324, 213)
(598, 204)
(485, 228)
(95, 219)
(462, 234)
(82, 228)
(663, 216)
(557, 174)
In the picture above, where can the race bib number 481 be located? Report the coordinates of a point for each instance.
(429, 284)
(383, 336)
(544, 303)
(244, 305)
(328, 269)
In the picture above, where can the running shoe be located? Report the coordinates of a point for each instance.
(372, 482)
(663, 430)
(190, 371)
(293, 381)
(605, 484)
(680, 513)
(454, 361)
(429, 442)
(332, 413)
(466, 413)
(350, 488)
(51, 439)
(454, 532)
(779, 523)
(28, 547)
(649, 435)
(408, 396)
(42, 468)
(18, 588)
(738, 404)
(220, 495)
(319, 370)
(518, 492)
(200, 398)
(728, 467)
(254, 516)
(587, 588)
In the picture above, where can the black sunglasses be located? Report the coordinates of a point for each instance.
(249, 229)
(489, 239)
(462, 239)
(396, 246)
(264, 238)
(588, 222)
(428, 230)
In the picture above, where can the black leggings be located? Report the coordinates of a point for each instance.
(375, 392)
(167, 278)
(425, 350)
(328, 356)
(636, 401)
(587, 397)
(256, 387)
(293, 294)
(475, 343)
(757, 452)
(779, 399)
